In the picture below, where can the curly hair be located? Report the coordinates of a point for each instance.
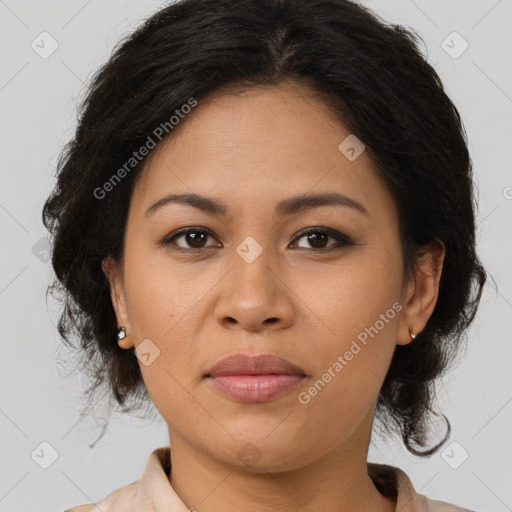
(369, 72)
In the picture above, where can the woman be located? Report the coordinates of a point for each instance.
(269, 205)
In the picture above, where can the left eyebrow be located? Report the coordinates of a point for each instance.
(308, 201)
(285, 207)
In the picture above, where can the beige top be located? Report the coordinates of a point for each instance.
(154, 493)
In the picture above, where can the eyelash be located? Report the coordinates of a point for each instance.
(339, 237)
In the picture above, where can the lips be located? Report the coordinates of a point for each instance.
(249, 364)
(254, 379)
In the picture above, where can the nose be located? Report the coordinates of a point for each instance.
(253, 297)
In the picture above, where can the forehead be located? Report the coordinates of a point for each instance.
(234, 121)
(258, 145)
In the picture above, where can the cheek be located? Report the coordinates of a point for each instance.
(161, 295)
(163, 306)
(355, 313)
(350, 367)
(345, 299)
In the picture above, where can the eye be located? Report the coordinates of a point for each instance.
(317, 237)
(194, 237)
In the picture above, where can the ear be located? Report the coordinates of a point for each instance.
(113, 273)
(422, 292)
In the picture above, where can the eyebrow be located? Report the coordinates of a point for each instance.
(285, 207)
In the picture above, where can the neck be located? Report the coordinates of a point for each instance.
(338, 481)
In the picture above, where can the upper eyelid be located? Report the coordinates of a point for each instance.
(302, 233)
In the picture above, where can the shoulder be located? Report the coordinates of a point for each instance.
(122, 499)
(394, 482)
(152, 485)
(442, 506)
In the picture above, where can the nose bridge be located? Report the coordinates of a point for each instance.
(252, 263)
(253, 295)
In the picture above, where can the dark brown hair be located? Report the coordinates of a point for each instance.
(371, 74)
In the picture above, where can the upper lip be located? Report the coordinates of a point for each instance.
(250, 364)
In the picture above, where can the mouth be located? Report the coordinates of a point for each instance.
(254, 378)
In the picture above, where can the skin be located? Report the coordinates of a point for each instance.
(250, 150)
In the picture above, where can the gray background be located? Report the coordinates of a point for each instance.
(38, 98)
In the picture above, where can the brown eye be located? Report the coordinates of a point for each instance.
(318, 238)
(193, 238)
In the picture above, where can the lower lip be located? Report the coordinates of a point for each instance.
(255, 388)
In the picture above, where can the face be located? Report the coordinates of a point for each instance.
(317, 283)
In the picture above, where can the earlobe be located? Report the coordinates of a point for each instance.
(111, 271)
(422, 292)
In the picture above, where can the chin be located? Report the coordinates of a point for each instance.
(266, 453)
